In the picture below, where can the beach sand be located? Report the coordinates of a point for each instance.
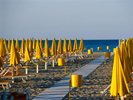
(94, 84)
(37, 83)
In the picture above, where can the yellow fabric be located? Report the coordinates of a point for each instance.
(119, 83)
(17, 45)
(65, 46)
(22, 46)
(46, 49)
(81, 45)
(1, 62)
(2, 49)
(53, 47)
(14, 55)
(27, 54)
(38, 51)
(34, 44)
(130, 51)
(60, 49)
(75, 47)
(5, 46)
(125, 61)
(9, 45)
(70, 48)
(30, 46)
(40, 43)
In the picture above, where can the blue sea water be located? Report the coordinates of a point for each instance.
(92, 44)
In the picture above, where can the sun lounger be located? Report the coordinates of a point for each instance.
(5, 84)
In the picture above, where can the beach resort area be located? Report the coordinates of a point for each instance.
(31, 69)
(66, 49)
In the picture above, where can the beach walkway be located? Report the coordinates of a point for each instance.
(61, 88)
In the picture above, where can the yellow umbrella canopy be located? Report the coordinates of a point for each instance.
(65, 50)
(81, 45)
(40, 43)
(125, 61)
(129, 46)
(17, 45)
(2, 49)
(1, 62)
(30, 46)
(9, 45)
(34, 44)
(53, 47)
(14, 55)
(119, 83)
(70, 48)
(60, 49)
(75, 47)
(27, 42)
(22, 46)
(38, 51)
(5, 45)
(26, 55)
(46, 49)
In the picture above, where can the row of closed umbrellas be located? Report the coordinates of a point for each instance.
(122, 68)
(33, 49)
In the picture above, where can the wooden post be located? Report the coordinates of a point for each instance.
(26, 70)
(53, 63)
(37, 70)
(46, 66)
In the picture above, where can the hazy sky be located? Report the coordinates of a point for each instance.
(87, 19)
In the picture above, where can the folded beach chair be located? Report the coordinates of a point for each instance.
(12, 73)
(5, 84)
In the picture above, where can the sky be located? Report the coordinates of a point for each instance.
(87, 19)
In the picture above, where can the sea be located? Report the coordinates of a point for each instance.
(88, 44)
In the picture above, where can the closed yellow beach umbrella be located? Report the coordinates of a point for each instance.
(22, 46)
(5, 45)
(9, 45)
(60, 49)
(81, 45)
(53, 47)
(38, 51)
(26, 54)
(75, 47)
(27, 41)
(130, 51)
(2, 49)
(119, 85)
(40, 43)
(17, 45)
(30, 46)
(127, 68)
(65, 46)
(70, 48)
(34, 44)
(14, 56)
(1, 62)
(46, 49)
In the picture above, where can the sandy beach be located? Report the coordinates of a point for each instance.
(94, 84)
(37, 83)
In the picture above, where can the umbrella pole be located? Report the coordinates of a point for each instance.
(37, 69)
(46, 66)
(53, 63)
